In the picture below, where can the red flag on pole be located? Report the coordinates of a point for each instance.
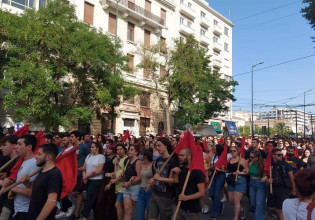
(197, 161)
(40, 140)
(296, 154)
(127, 135)
(221, 141)
(15, 168)
(205, 145)
(162, 133)
(68, 165)
(22, 131)
(188, 141)
(267, 163)
(242, 150)
(222, 161)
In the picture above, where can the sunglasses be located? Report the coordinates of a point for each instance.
(233, 150)
(279, 155)
(251, 157)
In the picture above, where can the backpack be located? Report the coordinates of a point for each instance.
(310, 208)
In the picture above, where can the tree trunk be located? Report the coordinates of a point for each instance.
(168, 120)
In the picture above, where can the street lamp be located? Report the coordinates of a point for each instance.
(253, 133)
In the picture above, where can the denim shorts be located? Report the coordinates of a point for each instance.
(120, 198)
(132, 192)
(240, 185)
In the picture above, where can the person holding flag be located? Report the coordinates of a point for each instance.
(190, 179)
(292, 158)
(237, 166)
(219, 165)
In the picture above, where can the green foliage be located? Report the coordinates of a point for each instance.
(309, 12)
(281, 129)
(57, 69)
(198, 91)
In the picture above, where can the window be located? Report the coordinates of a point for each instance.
(215, 22)
(215, 39)
(163, 49)
(130, 64)
(130, 101)
(162, 71)
(189, 5)
(181, 20)
(147, 11)
(112, 23)
(129, 122)
(163, 16)
(145, 99)
(202, 14)
(144, 124)
(146, 73)
(88, 13)
(202, 32)
(226, 31)
(147, 38)
(131, 31)
(226, 47)
(189, 24)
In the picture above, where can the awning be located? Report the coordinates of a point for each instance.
(231, 126)
(205, 130)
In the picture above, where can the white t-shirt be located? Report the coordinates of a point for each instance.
(293, 209)
(92, 162)
(21, 203)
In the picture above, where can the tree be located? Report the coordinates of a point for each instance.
(281, 129)
(198, 92)
(58, 70)
(244, 130)
(309, 12)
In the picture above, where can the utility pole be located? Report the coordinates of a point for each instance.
(304, 114)
(268, 125)
(253, 131)
(312, 126)
(296, 124)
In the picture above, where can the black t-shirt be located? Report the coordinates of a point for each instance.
(45, 183)
(295, 163)
(162, 188)
(196, 177)
(247, 153)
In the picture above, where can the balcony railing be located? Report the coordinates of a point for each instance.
(139, 10)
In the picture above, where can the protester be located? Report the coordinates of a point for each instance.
(255, 146)
(237, 166)
(282, 182)
(311, 161)
(306, 154)
(162, 182)
(47, 187)
(132, 181)
(295, 162)
(25, 148)
(217, 184)
(190, 200)
(297, 208)
(257, 185)
(92, 175)
(147, 172)
(206, 162)
(105, 204)
(8, 148)
(118, 179)
(49, 138)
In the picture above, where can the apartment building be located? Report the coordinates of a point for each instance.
(146, 22)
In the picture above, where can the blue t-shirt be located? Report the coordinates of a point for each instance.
(82, 153)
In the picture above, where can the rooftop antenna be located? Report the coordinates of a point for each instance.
(229, 14)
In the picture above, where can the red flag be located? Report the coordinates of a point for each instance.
(40, 140)
(205, 145)
(267, 163)
(68, 165)
(162, 133)
(15, 168)
(222, 161)
(242, 150)
(182, 135)
(22, 131)
(188, 141)
(197, 161)
(127, 135)
(221, 141)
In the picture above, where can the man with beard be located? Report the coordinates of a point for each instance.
(295, 162)
(47, 187)
(190, 207)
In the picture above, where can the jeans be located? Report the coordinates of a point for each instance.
(143, 203)
(91, 197)
(257, 193)
(215, 193)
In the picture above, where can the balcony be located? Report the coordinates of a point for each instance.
(217, 29)
(217, 46)
(135, 11)
(185, 29)
(188, 11)
(204, 39)
(217, 63)
(204, 21)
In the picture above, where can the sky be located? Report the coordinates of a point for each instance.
(273, 32)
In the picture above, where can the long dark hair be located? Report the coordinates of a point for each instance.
(167, 143)
(259, 162)
(98, 146)
(219, 149)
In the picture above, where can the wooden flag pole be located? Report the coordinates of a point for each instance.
(183, 191)
(7, 189)
(214, 173)
(270, 173)
(7, 164)
(166, 162)
(238, 168)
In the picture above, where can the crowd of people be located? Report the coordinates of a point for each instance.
(124, 178)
